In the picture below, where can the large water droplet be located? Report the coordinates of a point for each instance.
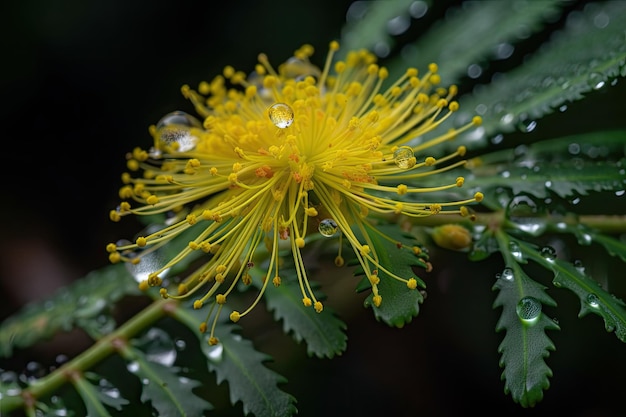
(327, 227)
(158, 346)
(528, 309)
(174, 130)
(404, 157)
(527, 215)
(216, 352)
(281, 115)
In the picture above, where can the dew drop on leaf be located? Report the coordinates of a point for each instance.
(528, 309)
(527, 215)
(216, 352)
(158, 346)
(515, 251)
(507, 274)
(593, 300)
(548, 253)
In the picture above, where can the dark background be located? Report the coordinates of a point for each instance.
(82, 81)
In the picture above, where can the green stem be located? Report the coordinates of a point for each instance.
(601, 222)
(86, 360)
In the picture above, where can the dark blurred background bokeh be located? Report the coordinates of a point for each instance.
(80, 83)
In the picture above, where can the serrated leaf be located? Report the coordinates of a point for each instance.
(399, 304)
(368, 23)
(576, 60)
(565, 179)
(323, 333)
(167, 391)
(235, 360)
(77, 304)
(593, 298)
(493, 25)
(525, 344)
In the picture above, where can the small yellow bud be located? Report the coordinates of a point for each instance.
(452, 236)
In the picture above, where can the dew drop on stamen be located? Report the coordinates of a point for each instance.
(404, 157)
(174, 130)
(327, 227)
(281, 115)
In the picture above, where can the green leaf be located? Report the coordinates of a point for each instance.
(474, 33)
(168, 392)
(80, 303)
(593, 298)
(235, 360)
(400, 304)
(323, 333)
(525, 344)
(578, 59)
(368, 22)
(568, 178)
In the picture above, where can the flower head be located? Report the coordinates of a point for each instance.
(283, 155)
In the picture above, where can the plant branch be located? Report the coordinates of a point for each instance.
(90, 357)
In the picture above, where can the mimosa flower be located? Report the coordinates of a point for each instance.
(283, 154)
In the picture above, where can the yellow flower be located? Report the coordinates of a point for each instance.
(285, 153)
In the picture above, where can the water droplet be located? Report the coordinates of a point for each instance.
(159, 346)
(281, 115)
(528, 309)
(504, 50)
(174, 130)
(133, 367)
(578, 264)
(507, 274)
(593, 300)
(151, 261)
(515, 251)
(404, 157)
(474, 71)
(398, 25)
(526, 214)
(418, 9)
(497, 139)
(327, 227)
(381, 49)
(548, 253)
(180, 344)
(526, 125)
(108, 389)
(34, 370)
(507, 119)
(601, 20)
(596, 80)
(216, 352)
